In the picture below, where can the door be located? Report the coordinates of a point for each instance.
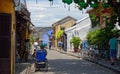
(5, 43)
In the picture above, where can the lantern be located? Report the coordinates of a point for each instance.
(50, 0)
(64, 1)
(67, 2)
(105, 5)
(76, 1)
(83, 4)
(95, 5)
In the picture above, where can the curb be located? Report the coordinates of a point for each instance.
(117, 71)
(20, 67)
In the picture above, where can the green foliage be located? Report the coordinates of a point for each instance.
(59, 34)
(76, 41)
(94, 20)
(31, 39)
(101, 36)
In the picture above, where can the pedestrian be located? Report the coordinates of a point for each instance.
(113, 49)
(36, 44)
(60, 45)
(80, 51)
(50, 44)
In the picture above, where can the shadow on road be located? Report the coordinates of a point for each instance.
(67, 66)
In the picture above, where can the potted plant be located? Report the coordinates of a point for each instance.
(76, 42)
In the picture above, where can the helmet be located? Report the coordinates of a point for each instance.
(42, 46)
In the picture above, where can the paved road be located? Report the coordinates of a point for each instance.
(64, 64)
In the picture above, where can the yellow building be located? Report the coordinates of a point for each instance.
(62, 24)
(7, 37)
(9, 29)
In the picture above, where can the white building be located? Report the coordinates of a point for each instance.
(80, 29)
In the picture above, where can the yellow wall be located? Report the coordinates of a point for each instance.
(66, 25)
(27, 31)
(6, 6)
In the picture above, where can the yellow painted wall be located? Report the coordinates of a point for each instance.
(67, 24)
(6, 6)
(27, 31)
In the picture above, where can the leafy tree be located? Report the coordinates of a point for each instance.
(101, 37)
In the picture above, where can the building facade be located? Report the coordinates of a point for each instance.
(62, 24)
(23, 31)
(81, 29)
(7, 37)
(11, 22)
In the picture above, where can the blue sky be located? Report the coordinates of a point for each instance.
(44, 15)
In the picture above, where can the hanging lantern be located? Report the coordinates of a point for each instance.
(51, 2)
(64, 1)
(68, 2)
(105, 5)
(83, 4)
(89, 1)
(106, 10)
(76, 1)
(80, 8)
(95, 5)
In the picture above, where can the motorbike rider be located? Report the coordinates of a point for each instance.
(41, 53)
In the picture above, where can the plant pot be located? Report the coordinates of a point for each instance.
(75, 49)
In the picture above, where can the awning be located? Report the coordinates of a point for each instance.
(27, 19)
(59, 34)
(23, 17)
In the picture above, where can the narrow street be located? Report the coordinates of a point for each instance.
(64, 64)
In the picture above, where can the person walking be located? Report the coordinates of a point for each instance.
(113, 49)
(60, 43)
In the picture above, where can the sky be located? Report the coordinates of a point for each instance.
(44, 15)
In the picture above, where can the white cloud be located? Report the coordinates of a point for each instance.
(41, 16)
(44, 15)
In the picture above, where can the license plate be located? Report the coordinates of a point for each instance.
(41, 62)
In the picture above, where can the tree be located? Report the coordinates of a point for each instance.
(101, 37)
(101, 6)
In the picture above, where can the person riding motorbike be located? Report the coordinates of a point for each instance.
(40, 58)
